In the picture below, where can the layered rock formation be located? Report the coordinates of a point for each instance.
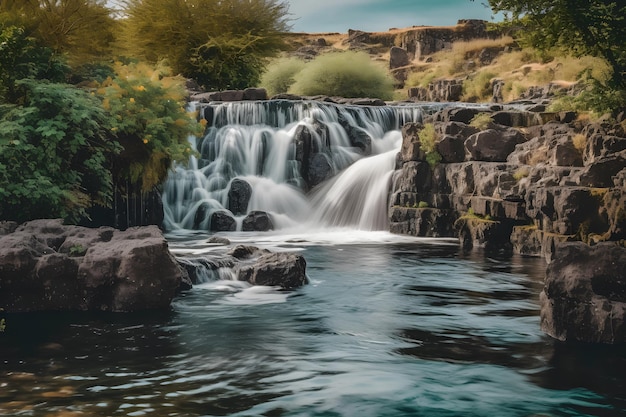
(527, 185)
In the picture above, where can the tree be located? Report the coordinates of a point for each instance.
(582, 27)
(220, 43)
(81, 29)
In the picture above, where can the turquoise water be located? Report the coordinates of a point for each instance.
(402, 328)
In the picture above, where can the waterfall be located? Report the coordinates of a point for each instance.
(278, 164)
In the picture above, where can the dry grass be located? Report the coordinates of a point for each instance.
(580, 142)
(467, 48)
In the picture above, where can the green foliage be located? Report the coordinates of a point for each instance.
(148, 117)
(594, 27)
(21, 57)
(280, 75)
(422, 204)
(596, 97)
(220, 43)
(77, 250)
(478, 87)
(83, 30)
(345, 74)
(428, 141)
(54, 153)
(482, 121)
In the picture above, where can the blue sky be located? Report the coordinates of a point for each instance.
(380, 15)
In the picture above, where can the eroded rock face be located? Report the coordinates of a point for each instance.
(584, 297)
(45, 265)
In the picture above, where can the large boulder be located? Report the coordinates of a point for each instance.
(45, 265)
(398, 57)
(584, 298)
(221, 221)
(492, 145)
(411, 145)
(287, 270)
(257, 221)
(239, 195)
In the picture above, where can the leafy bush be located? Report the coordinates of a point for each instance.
(280, 75)
(148, 117)
(428, 142)
(482, 121)
(345, 74)
(478, 87)
(55, 152)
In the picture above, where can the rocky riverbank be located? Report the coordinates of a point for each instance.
(519, 185)
(48, 266)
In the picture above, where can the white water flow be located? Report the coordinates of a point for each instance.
(307, 163)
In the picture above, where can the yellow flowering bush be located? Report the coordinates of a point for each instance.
(148, 118)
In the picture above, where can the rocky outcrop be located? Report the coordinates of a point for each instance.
(257, 221)
(249, 94)
(584, 298)
(45, 265)
(239, 195)
(251, 264)
(438, 90)
(517, 185)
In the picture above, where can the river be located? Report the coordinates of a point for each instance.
(388, 326)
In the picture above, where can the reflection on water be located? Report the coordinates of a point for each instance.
(396, 329)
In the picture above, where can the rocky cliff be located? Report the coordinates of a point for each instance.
(516, 184)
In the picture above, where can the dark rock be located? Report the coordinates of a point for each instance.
(244, 252)
(514, 118)
(438, 90)
(424, 222)
(600, 174)
(457, 114)
(398, 57)
(320, 169)
(221, 221)
(257, 221)
(411, 146)
(565, 154)
(285, 96)
(226, 95)
(479, 233)
(457, 128)
(286, 270)
(239, 196)
(218, 240)
(367, 102)
(584, 297)
(255, 94)
(451, 149)
(118, 271)
(566, 116)
(493, 146)
(600, 146)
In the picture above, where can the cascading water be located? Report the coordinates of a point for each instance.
(282, 158)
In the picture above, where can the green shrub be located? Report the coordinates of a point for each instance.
(428, 142)
(148, 118)
(478, 87)
(280, 75)
(422, 204)
(345, 74)
(55, 152)
(481, 121)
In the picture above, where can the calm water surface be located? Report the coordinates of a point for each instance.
(395, 329)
